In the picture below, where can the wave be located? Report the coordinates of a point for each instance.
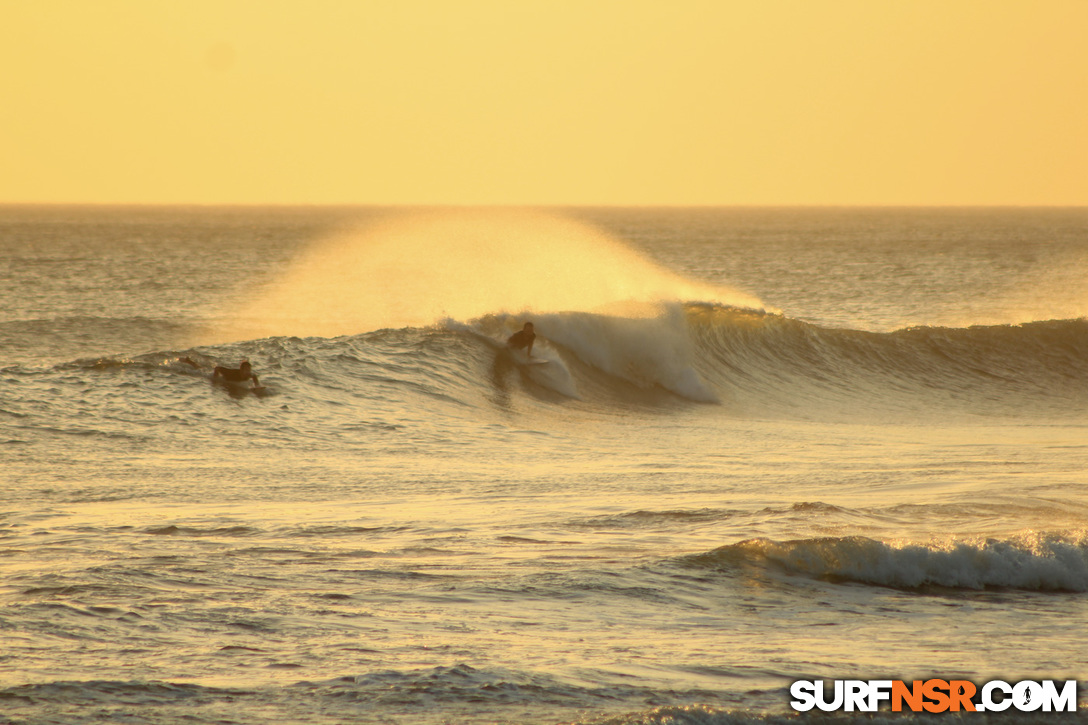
(749, 363)
(766, 364)
(83, 692)
(61, 337)
(457, 692)
(781, 363)
(1044, 563)
(653, 520)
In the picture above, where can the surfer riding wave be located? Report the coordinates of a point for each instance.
(523, 338)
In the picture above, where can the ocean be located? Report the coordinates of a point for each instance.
(766, 445)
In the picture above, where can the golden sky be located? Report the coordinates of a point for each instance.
(551, 102)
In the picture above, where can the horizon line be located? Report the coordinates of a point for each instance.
(527, 205)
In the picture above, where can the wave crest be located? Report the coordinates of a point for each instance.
(1035, 563)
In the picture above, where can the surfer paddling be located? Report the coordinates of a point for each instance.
(523, 338)
(240, 374)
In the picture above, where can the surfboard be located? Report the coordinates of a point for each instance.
(534, 361)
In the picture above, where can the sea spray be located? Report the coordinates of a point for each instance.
(416, 268)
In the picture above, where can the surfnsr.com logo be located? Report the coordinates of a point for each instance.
(934, 696)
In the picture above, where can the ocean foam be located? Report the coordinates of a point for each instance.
(1034, 562)
(646, 350)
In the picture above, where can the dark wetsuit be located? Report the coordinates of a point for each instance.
(521, 338)
(235, 376)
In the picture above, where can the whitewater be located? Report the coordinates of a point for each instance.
(767, 445)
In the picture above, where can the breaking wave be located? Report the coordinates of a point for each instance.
(1052, 563)
(753, 363)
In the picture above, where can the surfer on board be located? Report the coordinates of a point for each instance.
(243, 373)
(523, 338)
